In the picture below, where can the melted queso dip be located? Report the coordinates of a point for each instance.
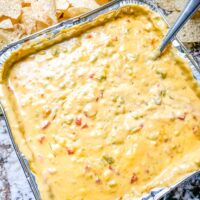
(100, 117)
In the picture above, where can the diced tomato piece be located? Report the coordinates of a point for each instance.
(110, 168)
(10, 89)
(195, 129)
(41, 139)
(91, 76)
(78, 121)
(70, 151)
(98, 180)
(182, 117)
(85, 126)
(134, 178)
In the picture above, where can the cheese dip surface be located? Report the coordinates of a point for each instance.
(100, 118)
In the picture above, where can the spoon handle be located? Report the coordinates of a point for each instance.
(185, 15)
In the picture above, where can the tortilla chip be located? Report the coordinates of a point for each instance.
(6, 24)
(26, 3)
(62, 4)
(190, 32)
(91, 4)
(168, 5)
(59, 14)
(10, 8)
(196, 15)
(74, 12)
(44, 11)
(61, 7)
(28, 20)
(11, 36)
(180, 4)
(40, 25)
(19, 32)
(3, 40)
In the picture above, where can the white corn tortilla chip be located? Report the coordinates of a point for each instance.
(168, 5)
(10, 8)
(62, 4)
(180, 4)
(10, 36)
(40, 25)
(6, 24)
(73, 12)
(3, 41)
(44, 11)
(59, 14)
(28, 20)
(91, 4)
(26, 3)
(190, 32)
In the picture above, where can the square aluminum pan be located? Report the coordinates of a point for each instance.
(49, 33)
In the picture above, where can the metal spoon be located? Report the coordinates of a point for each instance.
(185, 15)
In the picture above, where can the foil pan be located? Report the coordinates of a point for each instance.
(155, 194)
